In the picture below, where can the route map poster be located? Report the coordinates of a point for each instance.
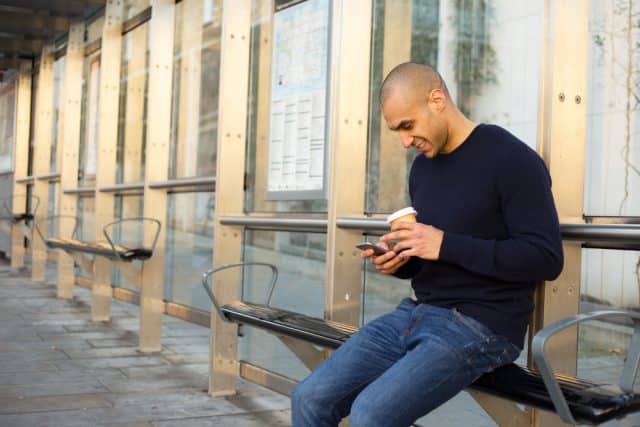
(298, 115)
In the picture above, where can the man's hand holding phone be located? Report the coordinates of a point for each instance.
(382, 256)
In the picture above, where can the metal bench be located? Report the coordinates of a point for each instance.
(84, 252)
(21, 219)
(574, 400)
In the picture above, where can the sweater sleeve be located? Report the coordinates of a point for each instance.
(410, 269)
(533, 249)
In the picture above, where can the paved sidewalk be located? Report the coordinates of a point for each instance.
(58, 368)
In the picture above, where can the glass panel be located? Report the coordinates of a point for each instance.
(258, 123)
(56, 123)
(486, 53)
(128, 206)
(195, 95)
(132, 120)
(86, 231)
(54, 191)
(300, 259)
(89, 121)
(94, 30)
(7, 123)
(189, 243)
(133, 7)
(381, 292)
(612, 184)
(610, 280)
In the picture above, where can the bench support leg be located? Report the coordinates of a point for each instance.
(17, 247)
(151, 305)
(306, 352)
(38, 260)
(66, 279)
(503, 412)
(224, 366)
(101, 291)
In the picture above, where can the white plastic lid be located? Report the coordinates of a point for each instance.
(402, 212)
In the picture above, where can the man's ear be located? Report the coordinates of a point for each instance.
(438, 99)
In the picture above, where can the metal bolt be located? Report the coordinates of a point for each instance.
(578, 99)
(561, 96)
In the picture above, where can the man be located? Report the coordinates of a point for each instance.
(487, 232)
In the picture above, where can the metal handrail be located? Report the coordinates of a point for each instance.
(55, 176)
(26, 180)
(80, 190)
(629, 371)
(619, 233)
(122, 187)
(183, 182)
(291, 224)
(211, 272)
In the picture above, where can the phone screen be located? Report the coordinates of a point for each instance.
(377, 250)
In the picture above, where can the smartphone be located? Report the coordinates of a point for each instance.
(377, 250)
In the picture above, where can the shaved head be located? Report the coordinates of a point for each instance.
(411, 79)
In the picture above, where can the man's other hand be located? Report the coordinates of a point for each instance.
(387, 263)
(415, 239)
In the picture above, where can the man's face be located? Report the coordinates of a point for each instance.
(418, 121)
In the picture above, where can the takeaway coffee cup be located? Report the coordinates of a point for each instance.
(407, 214)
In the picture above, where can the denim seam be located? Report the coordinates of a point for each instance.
(412, 326)
(471, 326)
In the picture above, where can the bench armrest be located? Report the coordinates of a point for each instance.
(111, 225)
(8, 203)
(211, 272)
(539, 342)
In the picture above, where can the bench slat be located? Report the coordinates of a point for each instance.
(99, 248)
(589, 403)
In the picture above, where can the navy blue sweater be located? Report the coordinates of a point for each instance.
(492, 198)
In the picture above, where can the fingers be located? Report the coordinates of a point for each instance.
(395, 235)
(403, 225)
(388, 263)
(366, 253)
(392, 266)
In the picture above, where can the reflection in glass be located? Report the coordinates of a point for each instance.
(89, 121)
(132, 117)
(258, 122)
(56, 117)
(483, 49)
(128, 206)
(195, 94)
(86, 231)
(300, 259)
(612, 184)
(610, 280)
(189, 247)
(52, 205)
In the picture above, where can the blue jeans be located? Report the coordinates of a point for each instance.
(399, 367)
